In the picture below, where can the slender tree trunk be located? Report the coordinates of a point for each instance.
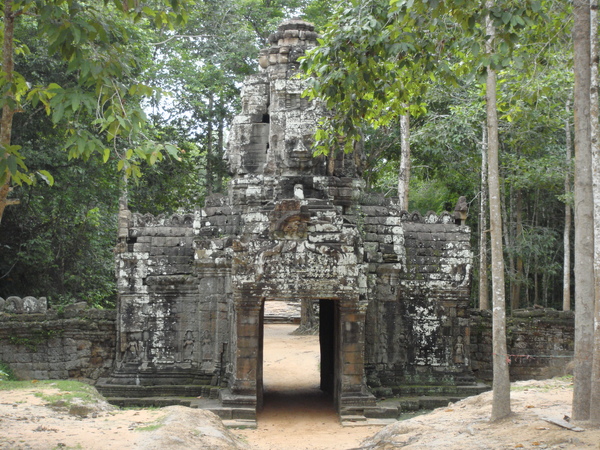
(404, 172)
(594, 129)
(209, 149)
(515, 297)
(536, 282)
(220, 147)
(7, 110)
(501, 382)
(568, 220)
(484, 300)
(506, 233)
(583, 206)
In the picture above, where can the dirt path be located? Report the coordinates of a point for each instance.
(296, 414)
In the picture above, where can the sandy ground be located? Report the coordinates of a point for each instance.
(465, 424)
(27, 423)
(296, 416)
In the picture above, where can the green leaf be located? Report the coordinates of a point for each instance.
(12, 164)
(58, 112)
(46, 176)
(106, 154)
(173, 151)
(75, 102)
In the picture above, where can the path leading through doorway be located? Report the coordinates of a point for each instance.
(296, 413)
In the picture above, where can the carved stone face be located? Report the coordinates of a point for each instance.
(294, 227)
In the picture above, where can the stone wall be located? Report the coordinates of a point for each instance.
(73, 343)
(540, 343)
(419, 273)
(166, 326)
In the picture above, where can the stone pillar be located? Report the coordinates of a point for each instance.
(246, 382)
(353, 395)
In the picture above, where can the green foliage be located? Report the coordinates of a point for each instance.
(151, 427)
(432, 195)
(377, 57)
(91, 38)
(6, 374)
(58, 242)
(35, 338)
(70, 392)
(173, 185)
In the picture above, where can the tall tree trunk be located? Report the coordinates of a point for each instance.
(209, 148)
(568, 220)
(584, 230)
(404, 172)
(506, 232)
(594, 130)
(501, 382)
(220, 147)
(515, 296)
(7, 110)
(484, 300)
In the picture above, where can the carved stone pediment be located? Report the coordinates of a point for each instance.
(289, 220)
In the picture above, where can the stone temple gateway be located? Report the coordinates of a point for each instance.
(392, 287)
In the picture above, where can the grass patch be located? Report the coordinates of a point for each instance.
(151, 427)
(69, 390)
(564, 382)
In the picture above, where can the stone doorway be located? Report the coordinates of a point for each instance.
(342, 356)
(312, 364)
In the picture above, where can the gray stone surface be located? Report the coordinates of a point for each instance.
(58, 345)
(540, 343)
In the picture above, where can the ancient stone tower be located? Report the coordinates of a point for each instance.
(393, 287)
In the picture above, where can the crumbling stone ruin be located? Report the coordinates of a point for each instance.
(41, 343)
(392, 287)
(27, 305)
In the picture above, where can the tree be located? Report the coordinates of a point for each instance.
(200, 69)
(568, 220)
(595, 151)
(484, 302)
(583, 207)
(501, 382)
(404, 173)
(82, 34)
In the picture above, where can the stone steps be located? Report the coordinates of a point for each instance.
(367, 422)
(240, 423)
(122, 390)
(148, 402)
(240, 411)
(435, 390)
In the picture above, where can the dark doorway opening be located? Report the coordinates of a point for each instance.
(327, 333)
(297, 373)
